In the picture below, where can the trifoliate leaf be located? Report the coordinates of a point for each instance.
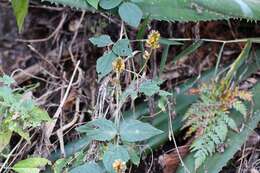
(101, 41)
(130, 13)
(99, 129)
(122, 48)
(134, 131)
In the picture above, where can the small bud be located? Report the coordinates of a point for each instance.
(146, 55)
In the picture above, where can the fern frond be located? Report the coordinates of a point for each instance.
(245, 95)
(240, 107)
(229, 121)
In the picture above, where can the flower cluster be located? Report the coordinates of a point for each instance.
(119, 166)
(153, 40)
(152, 43)
(118, 65)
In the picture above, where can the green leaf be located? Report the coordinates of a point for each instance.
(122, 48)
(7, 80)
(30, 165)
(38, 116)
(238, 62)
(134, 131)
(164, 59)
(5, 136)
(101, 41)
(164, 93)
(162, 104)
(90, 167)
(20, 8)
(187, 51)
(19, 130)
(59, 165)
(199, 10)
(99, 129)
(149, 87)
(168, 42)
(186, 10)
(130, 13)
(114, 152)
(134, 156)
(93, 3)
(109, 4)
(104, 64)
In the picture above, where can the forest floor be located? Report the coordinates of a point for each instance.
(46, 50)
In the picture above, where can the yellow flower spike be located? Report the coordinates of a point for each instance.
(119, 166)
(146, 55)
(153, 40)
(118, 65)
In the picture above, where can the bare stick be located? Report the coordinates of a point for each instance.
(50, 126)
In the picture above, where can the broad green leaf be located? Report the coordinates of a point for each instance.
(104, 64)
(187, 10)
(149, 87)
(122, 48)
(109, 4)
(134, 131)
(93, 3)
(99, 129)
(101, 41)
(114, 152)
(90, 167)
(5, 136)
(30, 165)
(136, 1)
(20, 8)
(130, 13)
